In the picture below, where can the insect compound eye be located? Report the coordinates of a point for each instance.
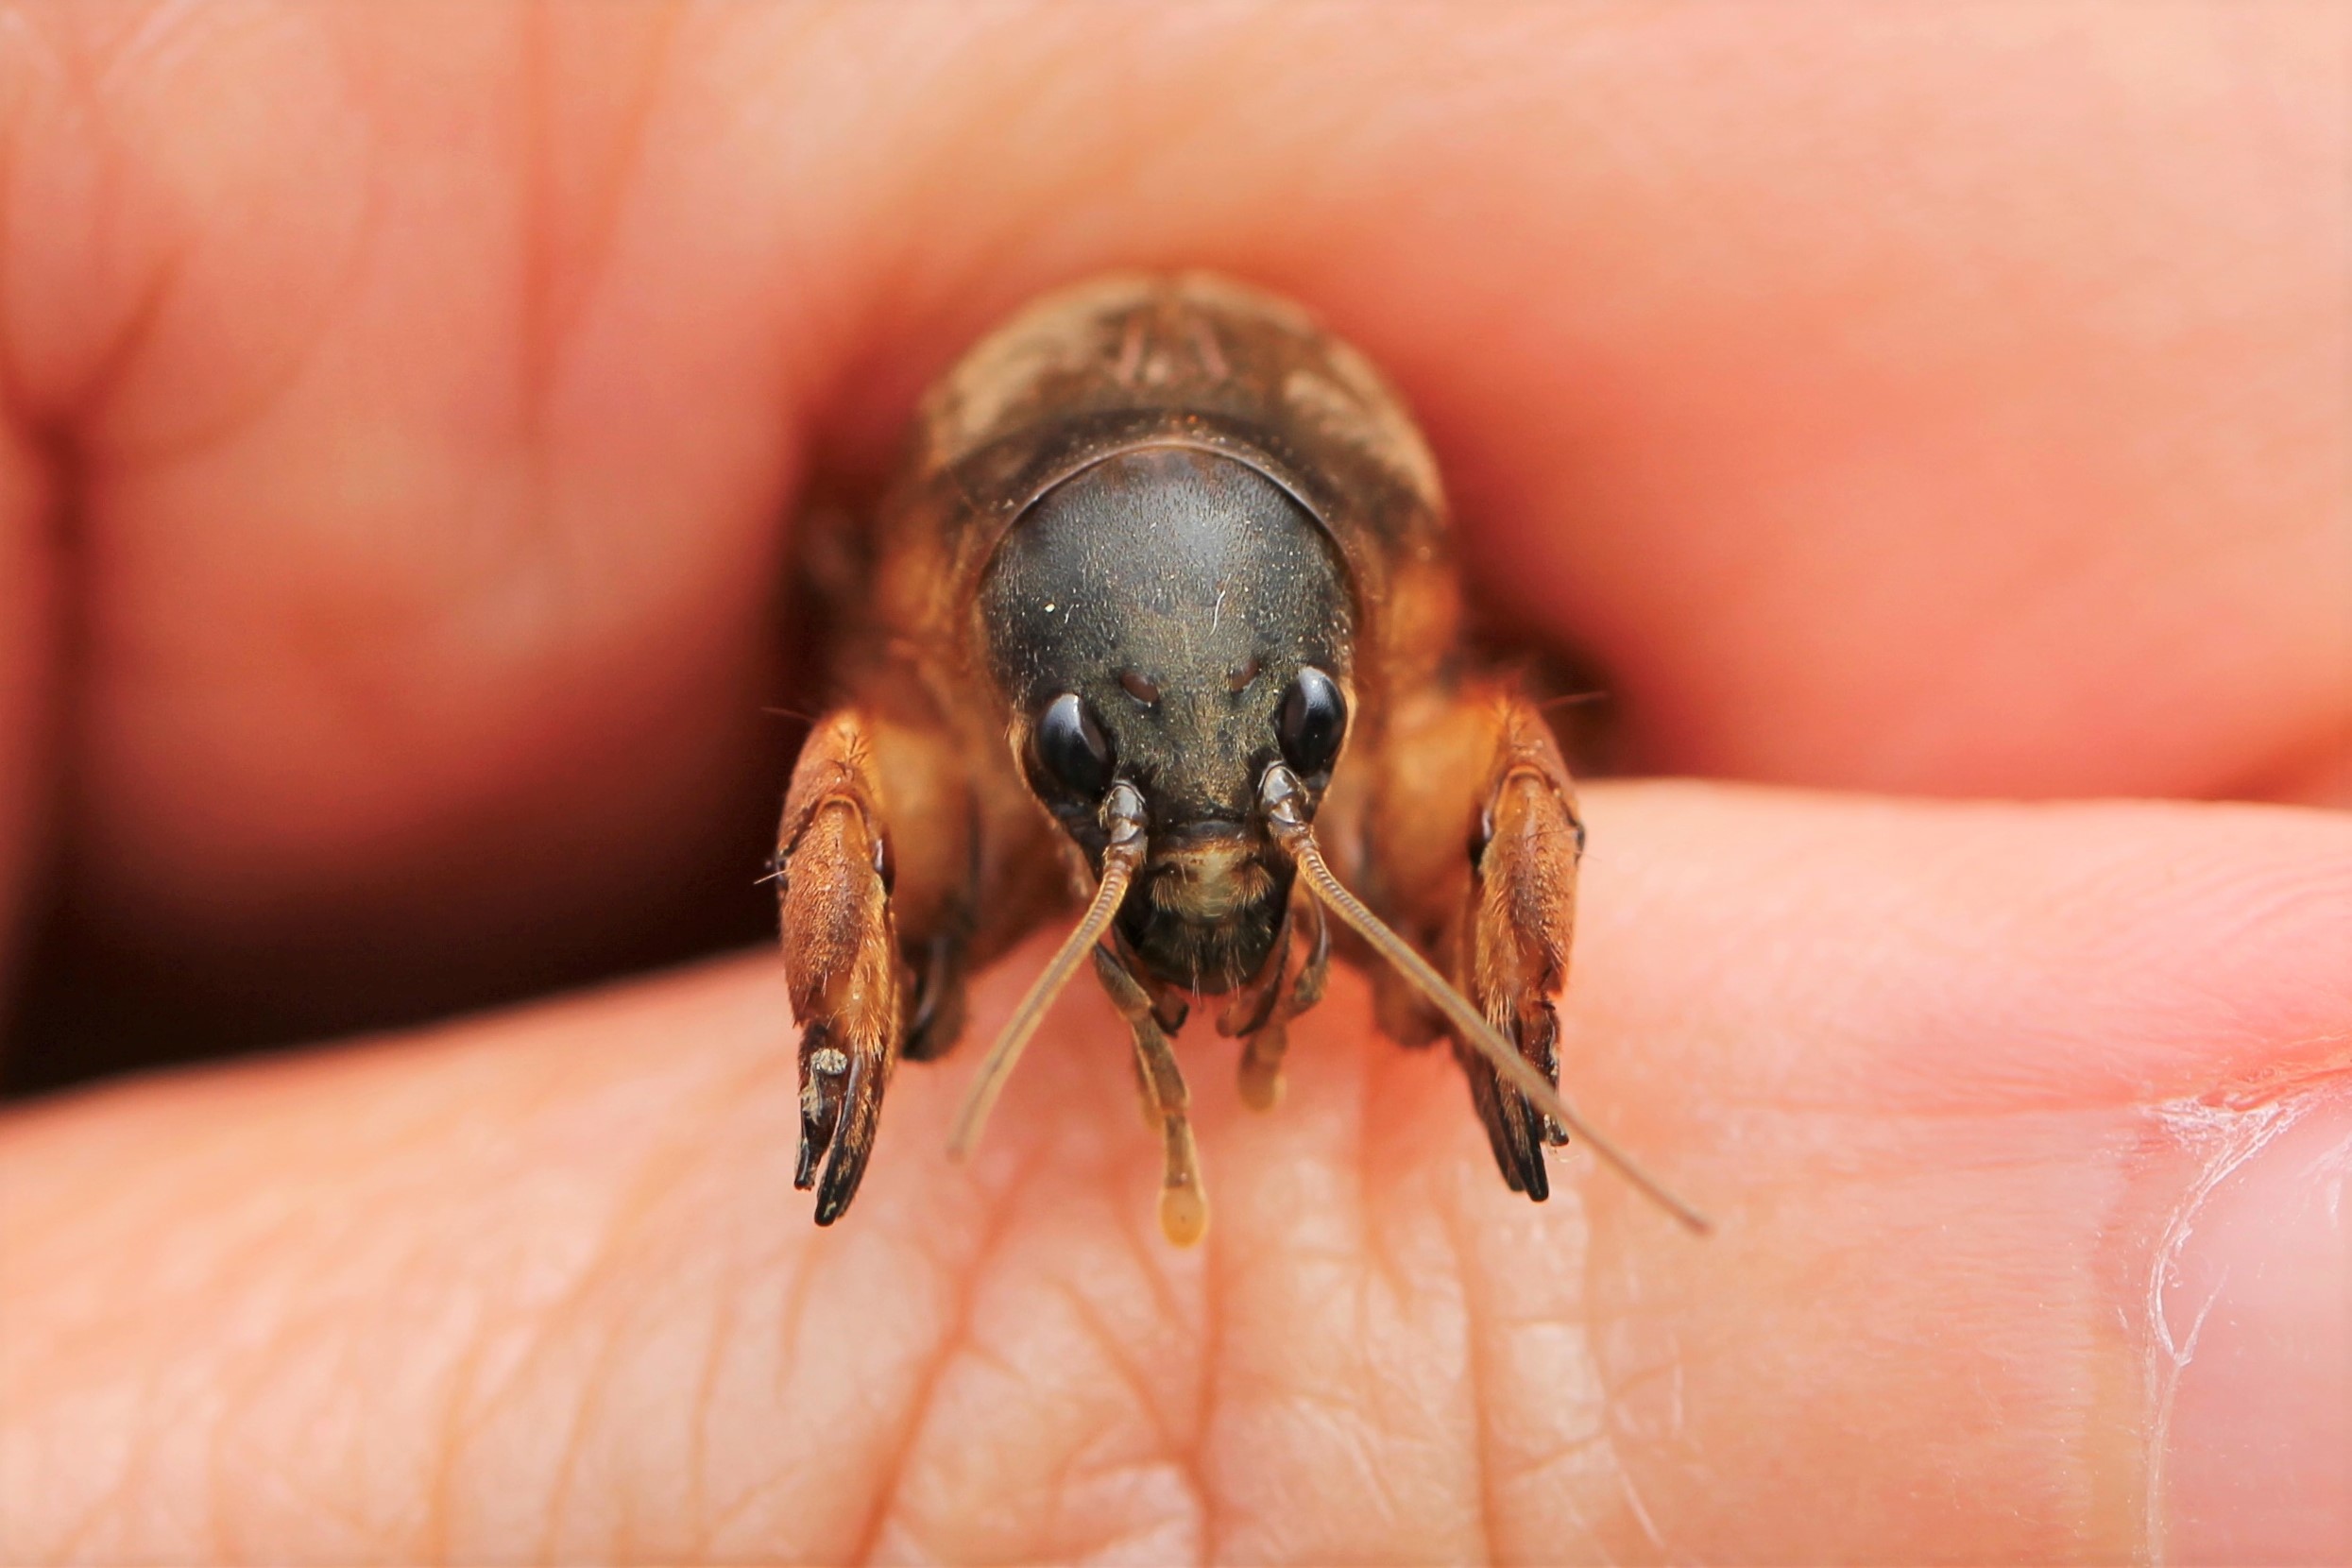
(1071, 746)
(1314, 716)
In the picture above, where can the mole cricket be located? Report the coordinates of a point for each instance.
(1164, 621)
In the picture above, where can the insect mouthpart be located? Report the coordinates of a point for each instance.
(1209, 831)
(1203, 874)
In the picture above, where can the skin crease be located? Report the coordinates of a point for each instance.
(1926, 401)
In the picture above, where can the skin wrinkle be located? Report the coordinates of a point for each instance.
(641, 1214)
(440, 1484)
(1171, 1454)
(1080, 1294)
(1067, 1464)
(1481, 1384)
(815, 354)
(1144, 1543)
(171, 1415)
(723, 1328)
(594, 1386)
(113, 1501)
(561, 262)
(79, 406)
(229, 1456)
(195, 1402)
(286, 1333)
(143, 1454)
(711, 1525)
(659, 1178)
(562, 275)
(1066, 201)
(1560, 1477)
(881, 1510)
(802, 1289)
(1471, 1505)
(709, 1516)
(1129, 1372)
(467, 1408)
(1071, 1468)
(2330, 1060)
(1370, 1423)
(1568, 1453)
(438, 1468)
(1185, 1456)
(240, 1381)
(82, 79)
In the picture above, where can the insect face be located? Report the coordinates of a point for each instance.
(1174, 619)
(1188, 554)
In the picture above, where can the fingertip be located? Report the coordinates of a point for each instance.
(2251, 1340)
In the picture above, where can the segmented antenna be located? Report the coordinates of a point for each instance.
(1123, 818)
(1282, 797)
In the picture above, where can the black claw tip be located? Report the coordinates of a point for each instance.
(1537, 1178)
(853, 1140)
(840, 1185)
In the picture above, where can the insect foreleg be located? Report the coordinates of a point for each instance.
(845, 899)
(1506, 919)
(1520, 920)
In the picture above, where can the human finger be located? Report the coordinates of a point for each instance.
(1857, 385)
(2022, 1128)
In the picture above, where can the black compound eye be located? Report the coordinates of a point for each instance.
(1070, 745)
(1314, 717)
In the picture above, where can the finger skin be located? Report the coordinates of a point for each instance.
(1912, 398)
(537, 1285)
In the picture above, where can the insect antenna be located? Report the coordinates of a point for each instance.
(1297, 836)
(1122, 814)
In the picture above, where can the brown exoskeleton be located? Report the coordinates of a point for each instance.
(1164, 608)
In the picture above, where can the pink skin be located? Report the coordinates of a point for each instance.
(1936, 401)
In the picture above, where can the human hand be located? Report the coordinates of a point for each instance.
(1933, 403)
